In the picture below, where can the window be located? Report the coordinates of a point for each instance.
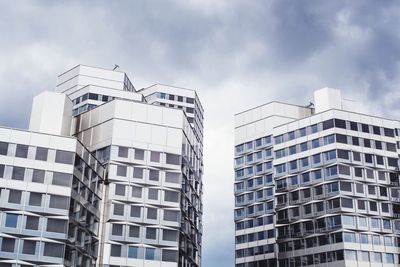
(139, 154)
(389, 257)
(302, 132)
(32, 223)
(135, 211)
(136, 191)
(330, 155)
(350, 254)
(371, 190)
(364, 238)
(373, 206)
(173, 159)
(22, 151)
(355, 141)
(171, 215)
(153, 194)
(115, 250)
(327, 124)
(132, 252)
(375, 223)
(171, 196)
(137, 173)
(340, 138)
(304, 162)
(123, 152)
(347, 203)
(64, 157)
(329, 139)
(361, 204)
(170, 235)
(1, 170)
(155, 156)
(360, 188)
(35, 199)
(29, 247)
(8, 244)
(152, 213)
(121, 170)
(41, 153)
(154, 175)
(56, 225)
(169, 255)
(367, 142)
(118, 209)
(349, 237)
(150, 253)
(151, 233)
(14, 196)
(313, 128)
(120, 190)
(134, 231)
(340, 124)
(315, 143)
(303, 146)
(3, 148)
(59, 202)
(116, 229)
(18, 173)
(376, 257)
(388, 132)
(53, 250)
(11, 220)
(291, 135)
(62, 179)
(362, 222)
(38, 176)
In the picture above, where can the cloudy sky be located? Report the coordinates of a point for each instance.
(236, 54)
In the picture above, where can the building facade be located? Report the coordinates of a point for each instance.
(332, 177)
(131, 192)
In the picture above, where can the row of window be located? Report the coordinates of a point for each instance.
(178, 98)
(83, 109)
(147, 253)
(336, 123)
(155, 156)
(253, 158)
(254, 183)
(338, 255)
(256, 144)
(259, 195)
(256, 209)
(253, 251)
(12, 220)
(35, 199)
(151, 233)
(32, 247)
(250, 223)
(35, 176)
(150, 174)
(152, 193)
(255, 236)
(92, 96)
(37, 153)
(137, 212)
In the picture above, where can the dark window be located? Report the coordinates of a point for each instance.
(155, 156)
(29, 247)
(189, 100)
(38, 176)
(180, 98)
(378, 144)
(32, 223)
(171, 97)
(14, 196)
(154, 175)
(104, 98)
(170, 235)
(379, 160)
(356, 141)
(136, 191)
(93, 96)
(341, 138)
(388, 132)
(123, 152)
(35, 199)
(151, 233)
(392, 162)
(137, 173)
(22, 151)
(64, 157)
(59, 202)
(41, 153)
(391, 147)
(119, 209)
(56, 225)
(376, 130)
(120, 190)
(369, 158)
(84, 97)
(135, 211)
(171, 215)
(3, 148)
(189, 110)
(1, 171)
(11, 220)
(117, 229)
(53, 250)
(152, 213)
(134, 231)
(365, 128)
(169, 255)
(356, 156)
(343, 154)
(153, 194)
(173, 159)
(340, 124)
(327, 124)
(8, 244)
(63, 179)
(121, 170)
(353, 126)
(139, 154)
(367, 142)
(18, 173)
(171, 196)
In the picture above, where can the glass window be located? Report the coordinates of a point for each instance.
(1, 170)
(152, 213)
(150, 253)
(154, 175)
(121, 170)
(35, 199)
(340, 124)
(115, 250)
(137, 173)
(116, 229)
(18, 173)
(53, 250)
(29, 247)
(41, 153)
(32, 223)
(64, 157)
(171, 196)
(376, 257)
(139, 154)
(123, 152)
(155, 156)
(3, 148)
(153, 194)
(38, 176)
(361, 204)
(22, 151)
(173, 159)
(169, 255)
(134, 231)
(340, 138)
(132, 252)
(171, 215)
(56, 225)
(151, 233)
(389, 258)
(14, 196)
(120, 189)
(118, 209)
(364, 238)
(136, 191)
(8, 244)
(327, 124)
(135, 211)
(11, 220)
(62, 179)
(59, 202)
(350, 254)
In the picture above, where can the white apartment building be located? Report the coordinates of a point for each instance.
(149, 211)
(316, 186)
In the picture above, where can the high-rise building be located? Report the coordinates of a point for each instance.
(130, 193)
(316, 185)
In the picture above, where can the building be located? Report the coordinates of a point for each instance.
(148, 209)
(316, 185)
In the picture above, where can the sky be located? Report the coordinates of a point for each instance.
(236, 54)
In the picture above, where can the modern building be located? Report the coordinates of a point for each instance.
(316, 185)
(146, 208)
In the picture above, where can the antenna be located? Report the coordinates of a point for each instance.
(115, 66)
(310, 105)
